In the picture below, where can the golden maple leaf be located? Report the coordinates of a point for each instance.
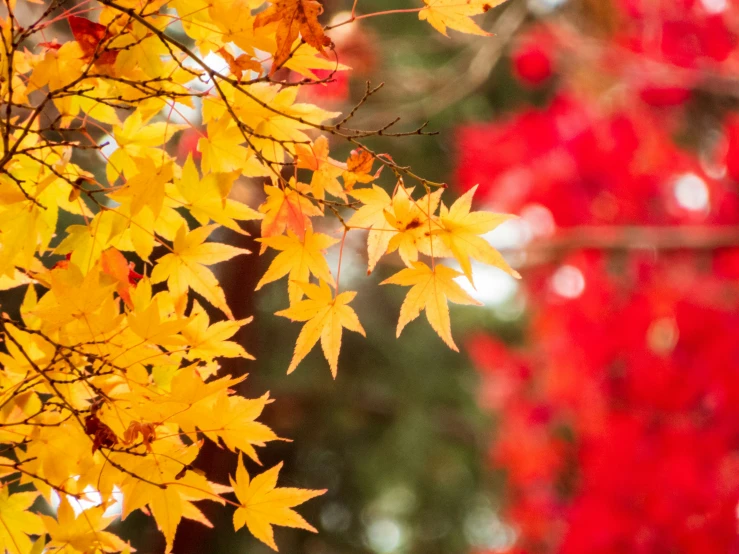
(184, 267)
(168, 488)
(137, 139)
(83, 533)
(325, 317)
(461, 230)
(304, 59)
(16, 522)
(455, 14)
(263, 504)
(298, 259)
(431, 287)
(207, 198)
(223, 153)
(414, 222)
(205, 341)
(371, 216)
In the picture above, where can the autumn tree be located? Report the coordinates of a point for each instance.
(110, 369)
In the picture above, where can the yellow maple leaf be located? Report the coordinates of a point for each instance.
(430, 290)
(372, 216)
(206, 342)
(414, 222)
(83, 533)
(56, 455)
(27, 228)
(305, 58)
(24, 350)
(207, 198)
(222, 150)
(461, 234)
(215, 412)
(298, 259)
(184, 267)
(325, 317)
(63, 303)
(263, 504)
(16, 522)
(146, 186)
(232, 419)
(235, 20)
(197, 21)
(167, 487)
(148, 324)
(276, 120)
(15, 279)
(86, 243)
(140, 230)
(455, 14)
(16, 411)
(199, 406)
(143, 51)
(57, 69)
(138, 138)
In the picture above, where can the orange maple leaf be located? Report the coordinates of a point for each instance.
(358, 168)
(287, 209)
(237, 66)
(293, 17)
(113, 263)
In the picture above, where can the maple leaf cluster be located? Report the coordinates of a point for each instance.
(617, 404)
(109, 372)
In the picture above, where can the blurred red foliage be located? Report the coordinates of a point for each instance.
(619, 412)
(533, 63)
(592, 166)
(619, 417)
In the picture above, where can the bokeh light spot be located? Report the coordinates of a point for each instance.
(384, 535)
(662, 335)
(568, 281)
(715, 6)
(691, 192)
